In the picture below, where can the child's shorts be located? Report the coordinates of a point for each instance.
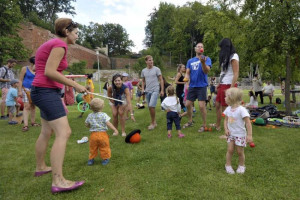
(238, 141)
(11, 109)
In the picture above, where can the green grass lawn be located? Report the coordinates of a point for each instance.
(157, 167)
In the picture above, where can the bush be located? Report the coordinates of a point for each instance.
(95, 65)
(78, 68)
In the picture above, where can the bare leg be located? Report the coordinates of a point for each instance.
(189, 105)
(32, 113)
(26, 112)
(219, 114)
(3, 107)
(122, 110)
(152, 115)
(240, 151)
(62, 133)
(230, 150)
(41, 146)
(114, 110)
(202, 108)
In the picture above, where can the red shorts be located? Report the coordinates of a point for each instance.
(221, 89)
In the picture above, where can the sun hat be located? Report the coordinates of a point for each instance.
(133, 136)
(125, 74)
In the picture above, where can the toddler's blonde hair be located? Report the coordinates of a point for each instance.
(97, 105)
(170, 90)
(234, 96)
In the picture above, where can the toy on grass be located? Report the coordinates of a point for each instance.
(83, 140)
(223, 115)
(134, 136)
(20, 101)
(251, 144)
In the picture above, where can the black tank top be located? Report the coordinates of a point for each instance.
(180, 87)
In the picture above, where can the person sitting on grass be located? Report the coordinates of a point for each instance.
(11, 101)
(172, 106)
(87, 100)
(253, 101)
(236, 116)
(98, 122)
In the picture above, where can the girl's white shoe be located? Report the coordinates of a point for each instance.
(229, 170)
(241, 169)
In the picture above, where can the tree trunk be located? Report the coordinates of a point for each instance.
(288, 85)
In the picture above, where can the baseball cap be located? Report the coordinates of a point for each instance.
(13, 81)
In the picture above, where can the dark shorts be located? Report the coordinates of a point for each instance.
(48, 100)
(197, 93)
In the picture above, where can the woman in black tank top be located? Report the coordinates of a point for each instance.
(180, 84)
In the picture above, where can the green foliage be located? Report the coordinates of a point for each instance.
(10, 43)
(154, 52)
(35, 19)
(114, 35)
(95, 65)
(78, 68)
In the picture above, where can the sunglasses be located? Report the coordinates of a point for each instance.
(72, 25)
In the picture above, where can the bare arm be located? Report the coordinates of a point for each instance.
(109, 94)
(235, 69)
(128, 99)
(187, 75)
(205, 68)
(249, 129)
(21, 78)
(51, 72)
(87, 125)
(226, 127)
(161, 85)
(143, 85)
(112, 127)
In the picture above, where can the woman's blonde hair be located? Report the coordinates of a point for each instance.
(234, 96)
(179, 67)
(62, 24)
(97, 105)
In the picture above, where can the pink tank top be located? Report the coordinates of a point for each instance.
(41, 58)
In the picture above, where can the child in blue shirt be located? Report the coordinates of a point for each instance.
(11, 101)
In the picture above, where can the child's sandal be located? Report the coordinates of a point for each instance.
(35, 124)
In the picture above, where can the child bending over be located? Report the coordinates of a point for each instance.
(98, 121)
(236, 117)
(172, 106)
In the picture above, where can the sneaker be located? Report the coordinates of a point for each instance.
(194, 110)
(241, 169)
(181, 135)
(123, 134)
(105, 162)
(12, 123)
(91, 162)
(229, 170)
(169, 135)
(3, 117)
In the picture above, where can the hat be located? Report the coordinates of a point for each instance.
(125, 74)
(260, 121)
(13, 81)
(133, 136)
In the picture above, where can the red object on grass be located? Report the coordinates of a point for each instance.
(252, 144)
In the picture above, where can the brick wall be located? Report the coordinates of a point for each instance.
(34, 36)
(120, 63)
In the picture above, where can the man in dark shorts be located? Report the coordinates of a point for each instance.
(197, 70)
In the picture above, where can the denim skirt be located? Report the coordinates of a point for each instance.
(48, 100)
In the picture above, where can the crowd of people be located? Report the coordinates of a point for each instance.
(40, 85)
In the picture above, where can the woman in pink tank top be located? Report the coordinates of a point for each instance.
(46, 94)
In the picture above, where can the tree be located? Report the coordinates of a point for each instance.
(10, 43)
(276, 25)
(154, 52)
(117, 39)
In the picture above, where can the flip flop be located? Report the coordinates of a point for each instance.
(35, 124)
(25, 128)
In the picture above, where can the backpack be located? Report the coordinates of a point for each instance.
(5, 72)
(278, 100)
